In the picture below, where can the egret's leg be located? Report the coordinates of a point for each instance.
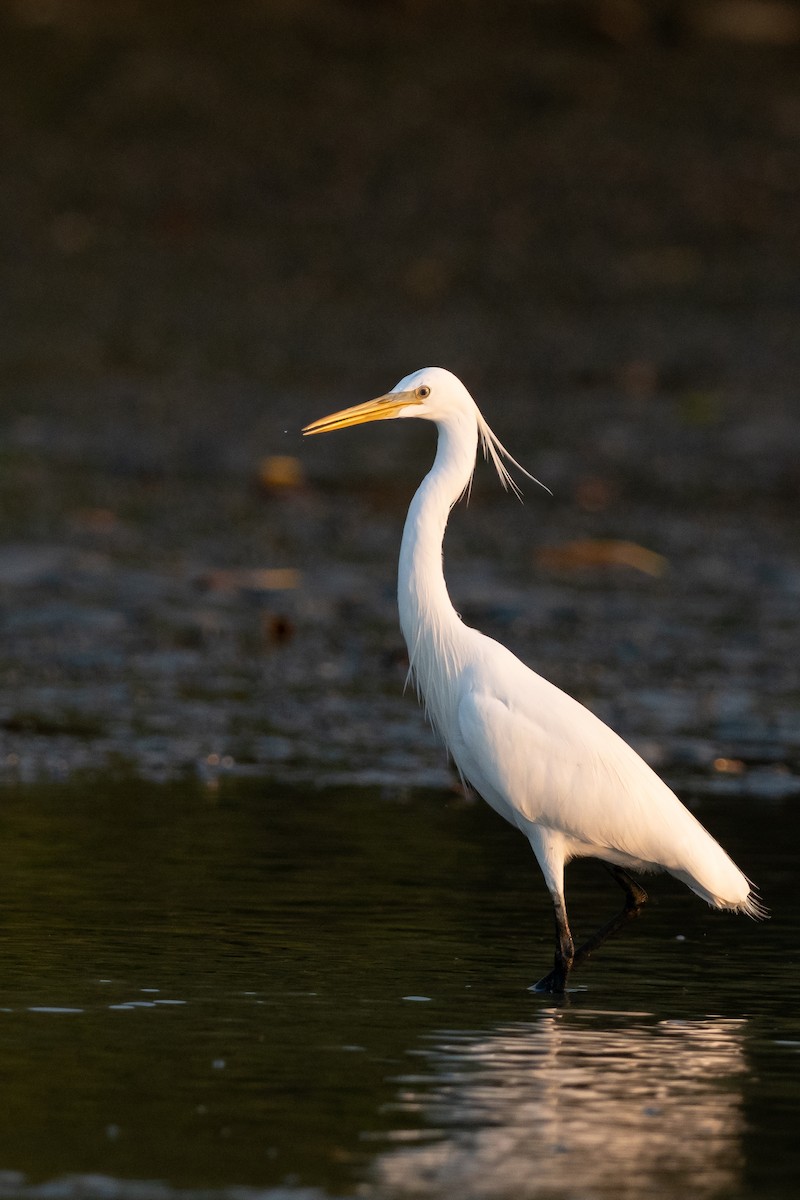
(548, 847)
(564, 957)
(635, 898)
(635, 895)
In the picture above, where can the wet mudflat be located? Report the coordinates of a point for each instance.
(247, 989)
(207, 627)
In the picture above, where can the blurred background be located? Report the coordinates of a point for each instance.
(218, 222)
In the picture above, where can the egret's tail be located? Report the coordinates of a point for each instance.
(752, 906)
(739, 896)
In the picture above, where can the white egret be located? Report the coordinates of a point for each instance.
(570, 784)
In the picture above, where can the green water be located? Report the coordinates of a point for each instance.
(245, 990)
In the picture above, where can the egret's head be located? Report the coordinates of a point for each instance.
(431, 393)
(435, 395)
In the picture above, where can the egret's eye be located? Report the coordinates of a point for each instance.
(423, 392)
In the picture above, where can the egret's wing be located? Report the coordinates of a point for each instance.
(561, 767)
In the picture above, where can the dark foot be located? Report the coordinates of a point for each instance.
(555, 984)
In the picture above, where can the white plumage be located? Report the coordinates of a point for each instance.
(538, 757)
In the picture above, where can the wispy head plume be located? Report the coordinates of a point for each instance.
(494, 449)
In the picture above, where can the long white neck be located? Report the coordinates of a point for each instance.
(431, 627)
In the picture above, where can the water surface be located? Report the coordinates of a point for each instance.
(244, 989)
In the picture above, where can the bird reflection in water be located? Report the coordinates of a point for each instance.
(630, 1107)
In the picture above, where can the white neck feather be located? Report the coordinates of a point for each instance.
(432, 629)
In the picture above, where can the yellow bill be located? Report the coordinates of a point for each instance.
(374, 410)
